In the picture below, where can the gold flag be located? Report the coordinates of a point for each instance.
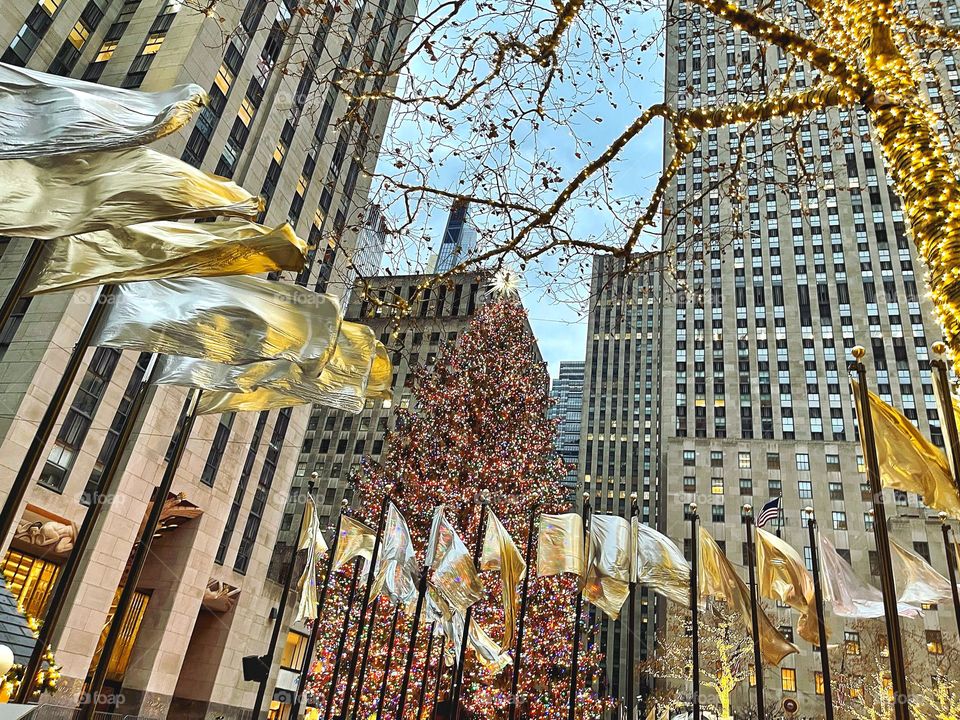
(43, 114)
(501, 553)
(452, 570)
(356, 540)
(311, 540)
(396, 572)
(660, 564)
(908, 461)
(610, 549)
(231, 320)
(152, 251)
(274, 384)
(450, 623)
(380, 384)
(119, 188)
(560, 544)
(719, 580)
(782, 575)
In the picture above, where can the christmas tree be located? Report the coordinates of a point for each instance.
(478, 429)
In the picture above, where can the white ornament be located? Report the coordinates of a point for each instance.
(6, 660)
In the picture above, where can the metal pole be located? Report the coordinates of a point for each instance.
(948, 417)
(411, 649)
(364, 604)
(898, 674)
(577, 620)
(518, 660)
(343, 639)
(387, 663)
(458, 675)
(436, 685)
(30, 261)
(281, 611)
(632, 625)
(951, 567)
(426, 672)
(695, 608)
(98, 502)
(361, 676)
(754, 607)
(821, 625)
(312, 641)
(88, 703)
(34, 454)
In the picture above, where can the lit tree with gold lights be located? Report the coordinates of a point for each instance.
(726, 657)
(478, 428)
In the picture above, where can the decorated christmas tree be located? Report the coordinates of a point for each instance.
(477, 429)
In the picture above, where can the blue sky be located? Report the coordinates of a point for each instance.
(556, 301)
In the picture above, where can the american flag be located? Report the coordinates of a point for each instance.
(770, 511)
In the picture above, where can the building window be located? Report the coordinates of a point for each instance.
(217, 449)
(717, 513)
(294, 651)
(818, 682)
(788, 679)
(13, 324)
(716, 458)
(851, 642)
(241, 487)
(773, 461)
(249, 539)
(151, 46)
(744, 460)
(716, 486)
(805, 489)
(803, 461)
(836, 490)
(113, 434)
(30, 580)
(689, 457)
(746, 486)
(79, 418)
(31, 33)
(839, 520)
(69, 52)
(934, 642)
(689, 483)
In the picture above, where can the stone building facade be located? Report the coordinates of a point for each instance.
(275, 124)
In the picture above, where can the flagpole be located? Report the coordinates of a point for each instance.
(948, 419)
(426, 672)
(38, 443)
(436, 685)
(361, 675)
(343, 638)
(577, 620)
(65, 579)
(364, 604)
(314, 631)
(517, 661)
(695, 609)
(754, 607)
(780, 515)
(387, 663)
(821, 624)
(30, 262)
(888, 586)
(951, 566)
(89, 699)
(632, 622)
(458, 675)
(411, 649)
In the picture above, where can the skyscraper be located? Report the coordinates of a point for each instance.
(203, 602)
(459, 238)
(566, 391)
(777, 278)
(619, 435)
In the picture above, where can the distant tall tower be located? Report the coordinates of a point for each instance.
(459, 238)
(567, 394)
